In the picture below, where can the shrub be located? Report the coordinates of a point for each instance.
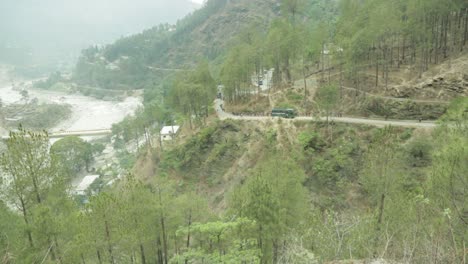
(419, 152)
(293, 96)
(311, 141)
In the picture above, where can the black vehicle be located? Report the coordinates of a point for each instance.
(284, 112)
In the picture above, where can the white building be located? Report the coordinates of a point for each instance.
(169, 132)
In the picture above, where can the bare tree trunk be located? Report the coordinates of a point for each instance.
(26, 221)
(436, 40)
(98, 253)
(404, 49)
(59, 258)
(137, 141)
(305, 81)
(109, 245)
(36, 190)
(465, 35)
(445, 30)
(188, 233)
(421, 63)
(323, 60)
(341, 77)
(379, 223)
(287, 70)
(163, 227)
(142, 254)
(159, 251)
(39, 201)
(377, 70)
(398, 52)
(275, 251)
(391, 52)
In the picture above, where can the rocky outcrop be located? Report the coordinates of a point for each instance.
(404, 109)
(437, 88)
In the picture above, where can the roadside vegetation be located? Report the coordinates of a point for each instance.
(267, 191)
(273, 193)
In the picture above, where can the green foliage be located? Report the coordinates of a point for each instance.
(335, 166)
(385, 182)
(275, 199)
(233, 242)
(126, 159)
(447, 183)
(330, 166)
(32, 183)
(270, 216)
(146, 121)
(10, 231)
(367, 30)
(73, 153)
(192, 93)
(207, 154)
(271, 136)
(383, 173)
(283, 42)
(237, 71)
(407, 134)
(456, 112)
(358, 208)
(146, 59)
(311, 141)
(419, 152)
(328, 97)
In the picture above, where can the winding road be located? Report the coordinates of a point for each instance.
(222, 115)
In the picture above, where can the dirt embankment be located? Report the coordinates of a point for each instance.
(406, 94)
(441, 82)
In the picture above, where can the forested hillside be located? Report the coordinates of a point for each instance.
(144, 60)
(249, 192)
(376, 48)
(271, 190)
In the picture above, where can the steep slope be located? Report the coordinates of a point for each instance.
(144, 59)
(216, 158)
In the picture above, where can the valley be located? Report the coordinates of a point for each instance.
(87, 113)
(248, 132)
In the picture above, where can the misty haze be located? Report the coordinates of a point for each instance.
(233, 131)
(54, 31)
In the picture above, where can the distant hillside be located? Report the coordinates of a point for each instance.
(139, 61)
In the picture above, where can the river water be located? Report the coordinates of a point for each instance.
(88, 113)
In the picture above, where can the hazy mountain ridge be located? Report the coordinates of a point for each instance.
(204, 34)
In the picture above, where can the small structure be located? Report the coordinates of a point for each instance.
(85, 183)
(169, 132)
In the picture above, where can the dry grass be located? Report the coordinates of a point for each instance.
(255, 104)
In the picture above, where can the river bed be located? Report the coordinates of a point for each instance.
(88, 113)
